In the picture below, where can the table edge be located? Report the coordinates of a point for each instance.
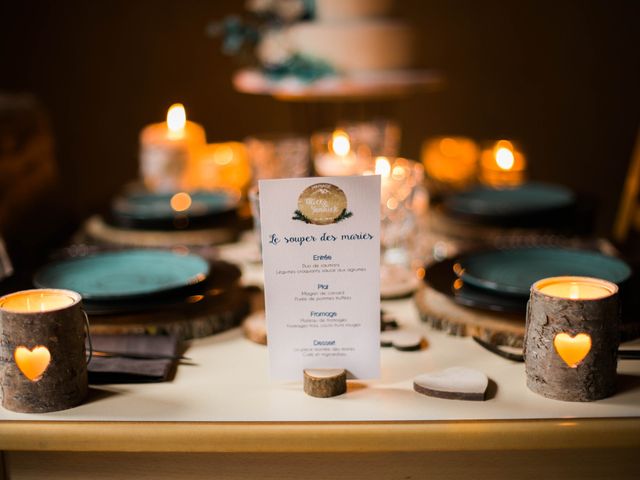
(329, 437)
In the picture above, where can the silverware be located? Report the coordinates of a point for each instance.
(138, 356)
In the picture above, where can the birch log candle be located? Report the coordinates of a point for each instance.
(43, 365)
(571, 338)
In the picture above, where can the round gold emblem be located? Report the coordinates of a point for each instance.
(322, 204)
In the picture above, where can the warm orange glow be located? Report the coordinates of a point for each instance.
(572, 349)
(576, 290)
(32, 363)
(176, 120)
(222, 165)
(451, 160)
(502, 165)
(223, 155)
(181, 201)
(383, 167)
(340, 143)
(36, 301)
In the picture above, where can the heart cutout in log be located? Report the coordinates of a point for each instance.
(32, 363)
(572, 349)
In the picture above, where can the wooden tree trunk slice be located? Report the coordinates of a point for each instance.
(189, 321)
(442, 313)
(97, 229)
(325, 383)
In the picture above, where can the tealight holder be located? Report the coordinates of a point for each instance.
(571, 338)
(43, 362)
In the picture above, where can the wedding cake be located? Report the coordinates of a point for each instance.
(347, 36)
(311, 39)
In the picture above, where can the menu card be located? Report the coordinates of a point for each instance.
(321, 255)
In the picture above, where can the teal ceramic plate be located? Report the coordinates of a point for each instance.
(125, 274)
(527, 199)
(514, 271)
(157, 206)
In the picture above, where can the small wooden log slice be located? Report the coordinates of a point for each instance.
(324, 383)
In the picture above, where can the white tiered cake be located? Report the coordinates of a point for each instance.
(353, 36)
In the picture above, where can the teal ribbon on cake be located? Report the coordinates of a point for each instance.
(301, 67)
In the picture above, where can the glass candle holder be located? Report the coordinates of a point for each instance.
(451, 161)
(351, 148)
(278, 156)
(404, 203)
(502, 165)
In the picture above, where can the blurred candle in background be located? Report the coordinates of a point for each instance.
(337, 158)
(168, 150)
(451, 161)
(502, 166)
(222, 165)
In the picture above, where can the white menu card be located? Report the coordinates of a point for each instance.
(321, 256)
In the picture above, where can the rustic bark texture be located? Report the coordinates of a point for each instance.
(442, 313)
(547, 374)
(325, 383)
(214, 314)
(100, 231)
(64, 383)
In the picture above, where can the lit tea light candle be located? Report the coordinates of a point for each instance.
(572, 337)
(576, 288)
(340, 159)
(33, 301)
(222, 165)
(42, 353)
(452, 161)
(168, 150)
(502, 165)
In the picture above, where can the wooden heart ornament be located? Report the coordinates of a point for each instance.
(572, 349)
(32, 363)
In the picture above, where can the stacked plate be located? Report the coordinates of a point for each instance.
(531, 204)
(499, 280)
(134, 280)
(174, 211)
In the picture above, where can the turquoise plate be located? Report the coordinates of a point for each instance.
(529, 198)
(514, 271)
(125, 274)
(157, 206)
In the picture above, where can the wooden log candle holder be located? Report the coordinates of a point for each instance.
(571, 338)
(43, 364)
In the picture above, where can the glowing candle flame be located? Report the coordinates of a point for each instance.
(181, 201)
(383, 167)
(340, 143)
(574, 291)
(176, 120)
(505, 158)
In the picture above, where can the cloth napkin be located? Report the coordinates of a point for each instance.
(104, 370)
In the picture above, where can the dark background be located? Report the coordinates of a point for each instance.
(560, 77)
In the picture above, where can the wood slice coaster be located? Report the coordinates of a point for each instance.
(455, 383)
(254, 328)
(325, 383)
(214, 314)
(442, 313)
(397, 282)
(403, 340)
(99, 230)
